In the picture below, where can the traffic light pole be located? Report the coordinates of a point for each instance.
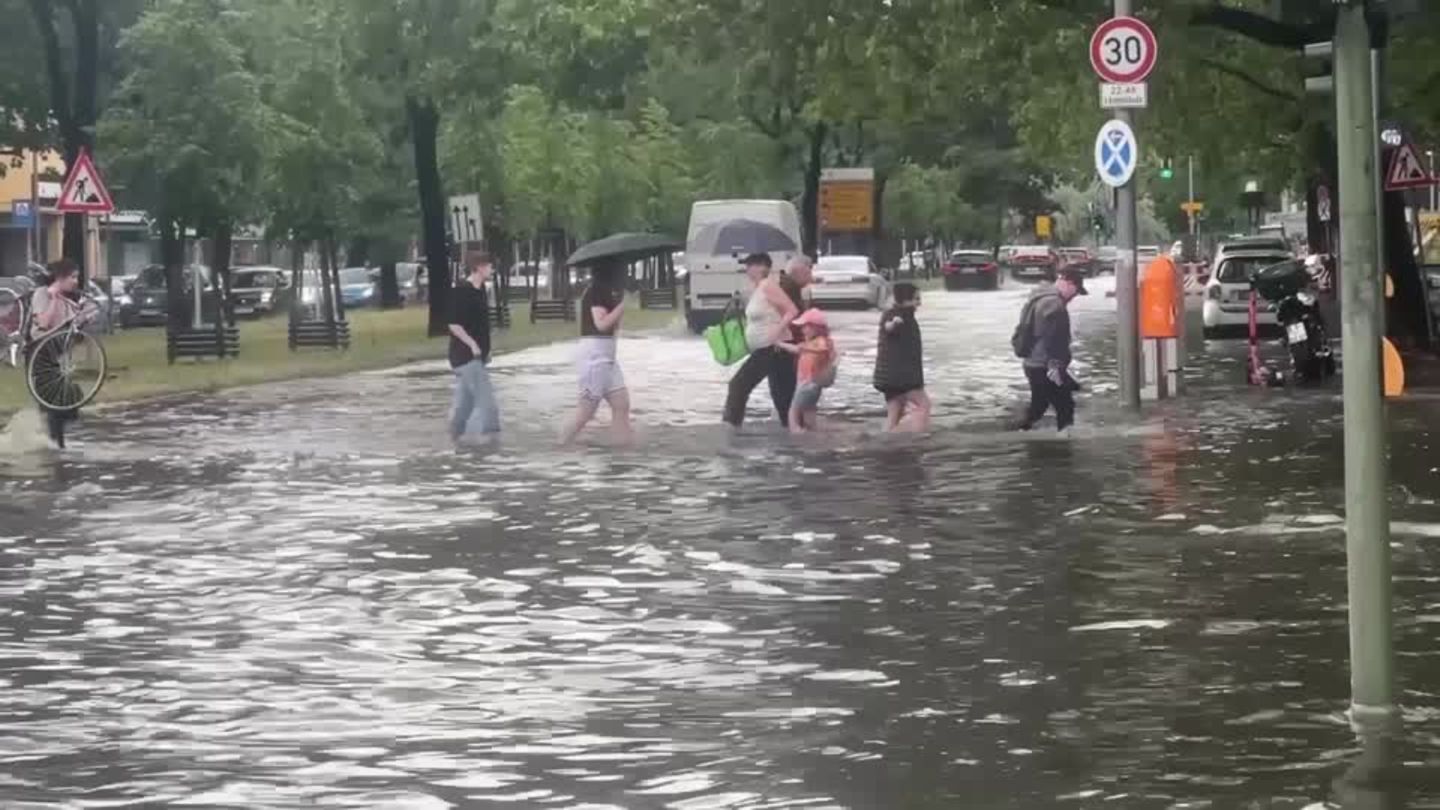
(1367, 519)
(1127, 274)
(1190, 196)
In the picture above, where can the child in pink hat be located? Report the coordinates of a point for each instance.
(816, 371)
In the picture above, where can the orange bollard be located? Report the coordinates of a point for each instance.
(1158, 300)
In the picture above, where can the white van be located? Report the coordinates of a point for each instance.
(716, 276)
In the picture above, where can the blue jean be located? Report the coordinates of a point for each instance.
(473, 392)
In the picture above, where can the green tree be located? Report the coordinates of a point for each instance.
(187, 131)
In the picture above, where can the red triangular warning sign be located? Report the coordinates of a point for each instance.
(1406, 170)
(84, 192)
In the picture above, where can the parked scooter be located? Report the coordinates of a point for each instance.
(1287, 289)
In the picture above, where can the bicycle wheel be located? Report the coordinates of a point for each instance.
(66, 370)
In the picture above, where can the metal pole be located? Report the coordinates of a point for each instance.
(36, 234)
(1367, 527)
(1194, 220)
(1127, 274)
(1434, 191)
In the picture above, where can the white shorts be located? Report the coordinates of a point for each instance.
(600, 374)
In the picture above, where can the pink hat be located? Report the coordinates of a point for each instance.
(812, 317)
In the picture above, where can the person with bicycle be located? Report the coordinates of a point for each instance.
(52, 306)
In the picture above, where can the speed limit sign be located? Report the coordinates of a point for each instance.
(1123, 50)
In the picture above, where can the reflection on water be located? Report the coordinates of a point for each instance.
(297, 598)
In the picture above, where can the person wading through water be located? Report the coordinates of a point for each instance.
(52, 306)
(1042, 341)
(773, 306)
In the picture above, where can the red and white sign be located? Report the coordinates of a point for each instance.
(1123, 50)
(1406, 170)
(84, 192)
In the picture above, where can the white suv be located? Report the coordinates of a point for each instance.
(1227, 293)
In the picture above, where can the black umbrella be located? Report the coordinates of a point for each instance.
(623, 248)
(742, 236)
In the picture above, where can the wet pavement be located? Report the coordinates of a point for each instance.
(301, 596)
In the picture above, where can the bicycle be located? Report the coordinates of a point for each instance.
(64, 367)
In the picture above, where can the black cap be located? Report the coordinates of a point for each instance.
(759, 258)
(1074, 277)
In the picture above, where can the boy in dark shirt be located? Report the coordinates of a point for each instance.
(470, 353)
(899, 367)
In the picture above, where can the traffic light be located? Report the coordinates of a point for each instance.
(1320, 68)
(1167, 170)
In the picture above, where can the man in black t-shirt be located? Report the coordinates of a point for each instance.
(470, 352)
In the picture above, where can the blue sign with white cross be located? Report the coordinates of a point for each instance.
(1116, 153)
(22, 215)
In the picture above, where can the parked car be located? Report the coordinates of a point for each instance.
(1145, 254)
(359, 287)
(1032, 262)
(1265, 242)
(413, 280)
(148, 301)
(971, 268)
(1077, 258)
(259, 291)
(1227, 293)
(852, 280)
(1105, 258)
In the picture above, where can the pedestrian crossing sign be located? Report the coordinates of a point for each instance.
(1406, 170)
(84, 192)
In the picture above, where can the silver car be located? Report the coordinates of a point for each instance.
(848, 280)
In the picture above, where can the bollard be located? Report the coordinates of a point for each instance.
(1161, 311)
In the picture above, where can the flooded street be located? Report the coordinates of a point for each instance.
(300, 595)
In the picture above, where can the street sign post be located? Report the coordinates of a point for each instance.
(1406, 170)
(1192, 208)
(1123, 50)
(847, 200)
(466, 223)
(22, 214)
(84, 191)
(1116, 153)
(1134, 96)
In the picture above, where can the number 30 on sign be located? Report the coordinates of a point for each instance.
(1123, 50)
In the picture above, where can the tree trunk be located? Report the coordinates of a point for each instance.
(74, 114)
(297, 280)
(389, 286)
(327, 297)
(810, 202)
(332, 252)
(220, 265)
(424, 136)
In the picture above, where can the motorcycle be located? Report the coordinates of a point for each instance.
(1287, 289)
(1311, 358)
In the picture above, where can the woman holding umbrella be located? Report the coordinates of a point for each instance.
(601, 310)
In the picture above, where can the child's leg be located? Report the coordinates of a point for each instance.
(920, 407)
(894, 411)
(795, 419)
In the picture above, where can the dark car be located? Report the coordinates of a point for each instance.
(1032, 263)
(148, 300)
(260, 291)
(971, 269)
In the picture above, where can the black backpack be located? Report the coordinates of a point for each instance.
(1023, 341)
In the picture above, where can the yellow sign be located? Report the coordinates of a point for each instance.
(1042, 226)
(1192, 207)
(847, 205)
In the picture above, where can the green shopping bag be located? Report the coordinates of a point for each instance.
(727, 338)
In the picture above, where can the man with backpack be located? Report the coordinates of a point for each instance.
(1042, 342)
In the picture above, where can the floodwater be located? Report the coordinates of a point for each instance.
(301, 596)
